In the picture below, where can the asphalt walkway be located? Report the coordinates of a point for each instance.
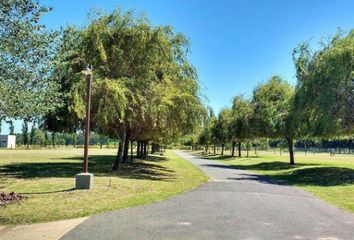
(234, 204)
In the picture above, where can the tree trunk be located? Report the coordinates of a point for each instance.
(233, 148)
(138, 149)
(145, 149)
(142, 149)
(222, 149)
(119, 156)
(131, 151)
(214, 150)
(248, 149)
(239, 149)
(291, 150)
(154, 148)
(126, 147)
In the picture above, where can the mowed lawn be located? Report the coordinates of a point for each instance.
(46, 178)
(330, 178)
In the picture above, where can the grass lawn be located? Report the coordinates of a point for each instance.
(329, 178)
(46, 177)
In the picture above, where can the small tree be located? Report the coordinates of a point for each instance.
(39, 137)
(221, 130)
(205, 136)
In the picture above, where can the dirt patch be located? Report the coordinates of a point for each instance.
(7, 198)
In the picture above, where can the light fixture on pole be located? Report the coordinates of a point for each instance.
(84, 180)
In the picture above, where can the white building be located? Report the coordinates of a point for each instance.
(7, 141)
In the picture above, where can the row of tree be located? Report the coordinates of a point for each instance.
(41, 138)
(321, 105)
(144, 88)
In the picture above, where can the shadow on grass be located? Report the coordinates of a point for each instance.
(300, 174)
(100, 165)
(320, 176)
(39, 193)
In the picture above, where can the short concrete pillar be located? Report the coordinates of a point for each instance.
(84, 181)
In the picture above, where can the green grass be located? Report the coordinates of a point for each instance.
(46, 177)
(330, 178)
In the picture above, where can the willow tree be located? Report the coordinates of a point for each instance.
(324, 94)
(273, 111)
(221, 128)
(205, 135)
(240, 122)
(26, 60)
(144, 87)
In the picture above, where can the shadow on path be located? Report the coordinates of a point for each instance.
(300, 174)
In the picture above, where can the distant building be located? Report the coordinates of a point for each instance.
(7, 141)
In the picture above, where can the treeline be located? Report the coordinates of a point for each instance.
(41, 138)
(321, 105)
(144, 89)
(35, 134)
(331, 146)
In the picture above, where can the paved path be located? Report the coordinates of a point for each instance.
(233, 205)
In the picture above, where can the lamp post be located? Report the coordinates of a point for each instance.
(85, 180)
(88, 72)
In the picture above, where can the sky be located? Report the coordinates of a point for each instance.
(234, 44)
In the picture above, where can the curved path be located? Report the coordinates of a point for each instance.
(234, 204)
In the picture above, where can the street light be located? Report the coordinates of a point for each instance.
(85, 180)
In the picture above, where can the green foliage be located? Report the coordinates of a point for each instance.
(272, 106)
(67, 70)
(38, 137)
(144, 87)
(321, 105)
(324, 94)
(241, 119)
(26, 59)
(220, 130)
(206, 134)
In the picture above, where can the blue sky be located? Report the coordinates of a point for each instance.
(234, 44)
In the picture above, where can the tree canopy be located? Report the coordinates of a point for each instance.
(320, 105)
(325, 98)
(144, 88)
(27, 87)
